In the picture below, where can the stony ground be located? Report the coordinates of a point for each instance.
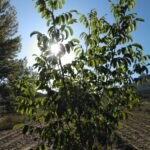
(15, 140)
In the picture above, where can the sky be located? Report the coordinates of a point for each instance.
(30, 20)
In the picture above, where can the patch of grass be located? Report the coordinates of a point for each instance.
(9, 121)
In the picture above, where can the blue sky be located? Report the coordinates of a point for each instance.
(29, 20)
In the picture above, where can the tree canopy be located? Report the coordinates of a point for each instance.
(86, 99)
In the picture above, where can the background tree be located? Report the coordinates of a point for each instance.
(87, 99)
(9, 43)
(9, 47)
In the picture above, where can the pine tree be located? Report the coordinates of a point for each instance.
(9, 47)
(9, 42)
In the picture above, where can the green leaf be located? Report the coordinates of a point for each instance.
(137, 45)
(140, 19)
(71, 21)
(62, 19)
(35, 32)
(60, 4)
(84, 20)
(70, 30)
(75, 40)
(74, 11)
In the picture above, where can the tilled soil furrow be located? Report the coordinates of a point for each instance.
(10, 140)
(9, 134)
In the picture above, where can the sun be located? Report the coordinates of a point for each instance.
(55, 49)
